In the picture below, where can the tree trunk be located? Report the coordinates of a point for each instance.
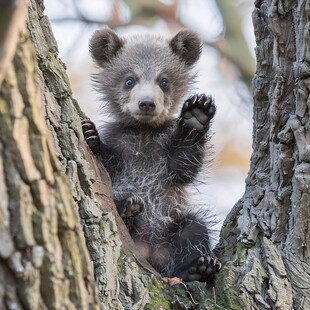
(266, 238)
(44, 261)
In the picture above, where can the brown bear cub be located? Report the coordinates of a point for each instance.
(150, 155)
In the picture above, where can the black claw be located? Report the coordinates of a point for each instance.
(185, 106)
(93, 138)
(202, 98)
(89, 131)
(194, 100)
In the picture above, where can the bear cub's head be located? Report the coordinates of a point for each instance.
(144, 78)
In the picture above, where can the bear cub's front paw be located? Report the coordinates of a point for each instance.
(131, 207)
(91, 135)
(197, 112)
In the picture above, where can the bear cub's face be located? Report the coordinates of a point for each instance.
(144, 78)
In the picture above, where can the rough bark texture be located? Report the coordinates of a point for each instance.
(44, 261)
(266, 238)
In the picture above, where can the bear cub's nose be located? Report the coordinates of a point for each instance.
(147, 104)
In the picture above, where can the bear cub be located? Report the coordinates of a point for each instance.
(150, 155)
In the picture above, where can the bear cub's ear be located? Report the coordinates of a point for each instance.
(104, 45)
(187, 45)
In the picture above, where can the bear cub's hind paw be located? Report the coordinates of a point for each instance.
(91, 135)
(132, 206)
(204, 268)
(197, 112)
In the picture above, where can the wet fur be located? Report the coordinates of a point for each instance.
(156, 158)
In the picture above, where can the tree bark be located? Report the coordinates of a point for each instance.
(44, 261)
(265, 240)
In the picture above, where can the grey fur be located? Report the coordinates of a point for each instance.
(156, 59)
(187, 45)
(104, 45)
(151, 157)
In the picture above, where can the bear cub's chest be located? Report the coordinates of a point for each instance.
(140, 147)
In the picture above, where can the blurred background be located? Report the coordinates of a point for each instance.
(225, 70)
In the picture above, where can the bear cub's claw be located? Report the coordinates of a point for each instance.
(132, 206)
(203, 268)
(91, 135)
(197, 112)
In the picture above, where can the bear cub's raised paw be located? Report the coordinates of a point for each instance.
(131, 207)
(197, 112)
(203, 268)
(91, 135)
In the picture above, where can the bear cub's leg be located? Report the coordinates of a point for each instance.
(192, 256)
(197, 112)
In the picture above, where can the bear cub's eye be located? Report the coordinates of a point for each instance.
(164, 84)
(130, 82)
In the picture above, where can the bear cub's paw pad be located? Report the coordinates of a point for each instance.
(91, 135)
(133, 206)
(204, 268)
(197, 112)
